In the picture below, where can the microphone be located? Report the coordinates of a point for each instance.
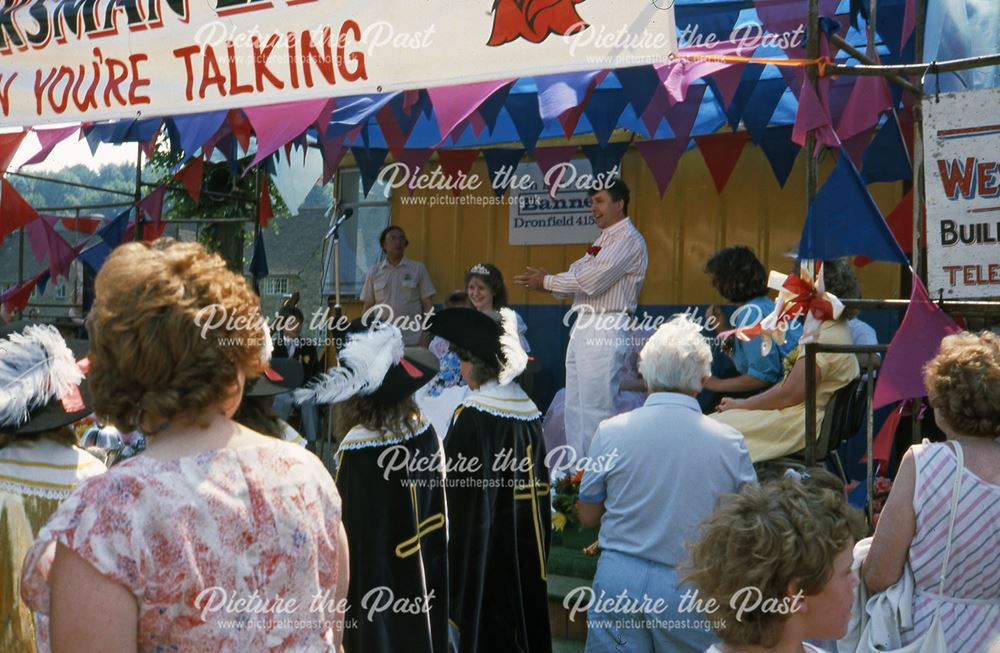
(348, 212)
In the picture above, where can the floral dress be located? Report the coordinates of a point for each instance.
(224, 550)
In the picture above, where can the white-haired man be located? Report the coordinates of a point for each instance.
(671, 465)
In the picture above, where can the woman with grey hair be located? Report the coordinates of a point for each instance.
(654, 474)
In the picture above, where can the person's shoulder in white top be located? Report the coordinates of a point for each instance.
(809, 648)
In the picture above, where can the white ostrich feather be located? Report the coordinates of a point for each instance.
(364, 362)
(510, 345)
(268, 351)
(36, 366)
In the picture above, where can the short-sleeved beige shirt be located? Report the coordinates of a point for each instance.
(402, 288)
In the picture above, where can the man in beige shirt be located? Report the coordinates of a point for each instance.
(398, 288)
(605, 285)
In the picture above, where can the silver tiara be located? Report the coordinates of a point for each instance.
(479, 268)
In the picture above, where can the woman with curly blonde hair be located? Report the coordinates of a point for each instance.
(214, 524)
(775, 561)
(963, 384)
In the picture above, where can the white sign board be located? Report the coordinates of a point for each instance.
(537, 217)
(962, 183)
(88, 60)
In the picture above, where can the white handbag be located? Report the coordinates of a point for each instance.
(933, 640)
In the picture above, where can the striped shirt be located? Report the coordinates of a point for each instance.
(610, 280)
(970, 612)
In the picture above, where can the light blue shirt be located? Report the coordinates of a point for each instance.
(747, 357)
(666, 465)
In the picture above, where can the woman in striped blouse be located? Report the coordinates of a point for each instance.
(963, 382)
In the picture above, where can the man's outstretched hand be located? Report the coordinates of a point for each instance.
(532, 278)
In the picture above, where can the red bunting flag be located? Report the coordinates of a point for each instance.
(721, 153)
(550, 157)
(152, 204)
(240, 127)
(456, 165)
(191, 176)
(16, 299)
(8, 146)
(264, 210)
(15, 212)
(82, 225)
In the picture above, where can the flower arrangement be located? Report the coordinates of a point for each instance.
(564, 503)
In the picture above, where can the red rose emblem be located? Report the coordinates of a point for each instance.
(534, 20)
(593, 250)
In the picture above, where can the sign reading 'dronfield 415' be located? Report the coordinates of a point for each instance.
(962, 181)
(84, 60)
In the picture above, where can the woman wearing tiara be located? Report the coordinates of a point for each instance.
(498, 492)
(390, 474)
(487, 293)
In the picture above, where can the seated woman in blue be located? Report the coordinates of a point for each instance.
(739, 276)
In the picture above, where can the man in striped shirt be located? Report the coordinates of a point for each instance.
(605, 285)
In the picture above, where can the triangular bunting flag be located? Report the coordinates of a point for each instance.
(561, 92)
(277, 124)
(744, 91)
(8, 146)
(240, 127)
(393, 134)
(603, 111)
(323, 119)
(49, 138)
(191, 176)
(869, 99)
(886, 437)
(656, 110)
(682, 115)
(456, 165)
(763, 102)
(113, 233)
(844, 220)
(152, 204)
(570, 118)
(15, 212)
(16, 299)
(95, 256)
(523, 111)
(605, 159)
(724, 83)
(916, 342)
(662, 157)
(369, 163)
(501, 164)
(856, 145)
(721, 152)
(37, 237)
(491, 106)
(333, 151)
(900, 223)
(195, 129)
(548, 158)
(813, 115)
(414, 159)
(453, 104)
(264, 209)
(258, 264)
(60, 252)
(886, 158)
(780, 150)
(639, 83)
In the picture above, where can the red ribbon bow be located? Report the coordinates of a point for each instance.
(593, 250)
(806, 299)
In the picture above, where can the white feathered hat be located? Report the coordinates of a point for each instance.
(41, 385)
(373, 362)
(480, 335)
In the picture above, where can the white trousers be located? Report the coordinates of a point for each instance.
(595, 360)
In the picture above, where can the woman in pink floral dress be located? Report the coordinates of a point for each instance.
(216, 538)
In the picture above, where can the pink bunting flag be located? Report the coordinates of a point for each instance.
(662, 157)
(61, 255)
(679, 74)
(277, 124)
(909, 22)
(453, 104)
(152, 204)
(813, 115)
(49, 138)
(916, 342)
(656, 110)
(8, 146)
(869, 99)
(15, 212)
(550, 157)
(394, 135)
(37, 238)
(727, 80)
(323, 120)
(682, 115)
(856, 145)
